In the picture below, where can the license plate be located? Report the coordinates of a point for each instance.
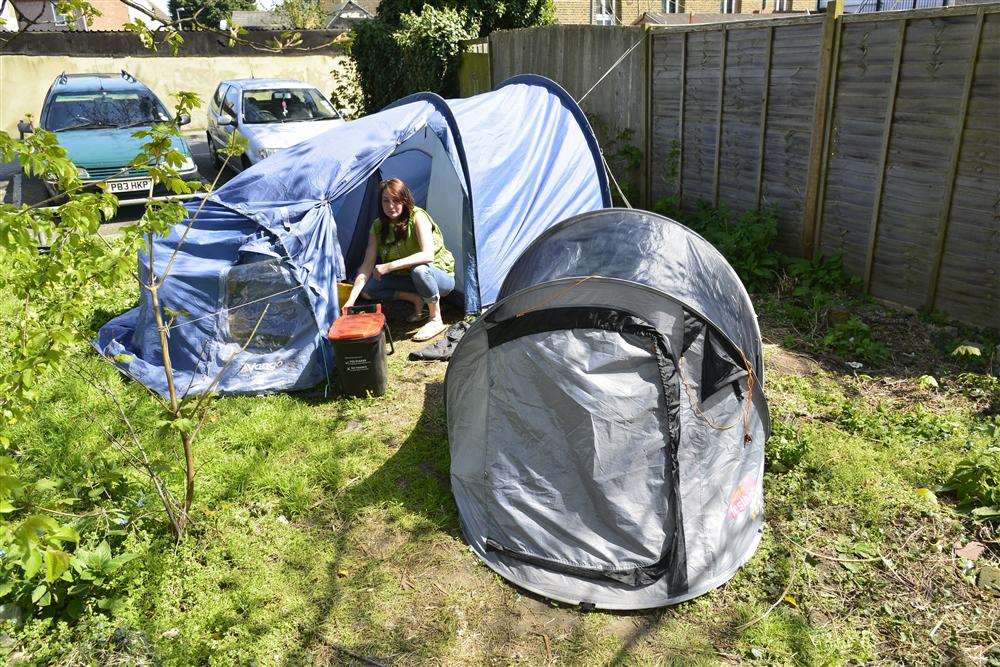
(130, 185)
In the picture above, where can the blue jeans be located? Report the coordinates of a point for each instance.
(430, 282)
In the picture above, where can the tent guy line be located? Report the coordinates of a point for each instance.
(237, 307)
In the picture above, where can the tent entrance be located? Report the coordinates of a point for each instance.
(578, 445)
(423, 163)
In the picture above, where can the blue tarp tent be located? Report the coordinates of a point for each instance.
(494, 171)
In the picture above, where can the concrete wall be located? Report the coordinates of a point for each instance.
(24, 80)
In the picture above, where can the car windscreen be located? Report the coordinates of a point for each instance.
(282, 105)
(90, 110)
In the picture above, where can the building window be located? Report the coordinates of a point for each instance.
(730, 7)
(604, 12)
(782, 5)
(672, 6)
(58, 17)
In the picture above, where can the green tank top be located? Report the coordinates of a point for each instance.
(394, 249)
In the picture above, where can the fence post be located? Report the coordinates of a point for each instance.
(827, 137)
(822, 98)
(718, 118)
(763, 115)
(680, 122)
(956, 151)
(648, 119)
(886, 133)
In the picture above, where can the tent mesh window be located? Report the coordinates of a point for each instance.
(249, 289)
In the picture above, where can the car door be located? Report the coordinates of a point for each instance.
(214, 109)
(230, 107)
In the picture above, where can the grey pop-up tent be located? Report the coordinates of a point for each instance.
(606, 416)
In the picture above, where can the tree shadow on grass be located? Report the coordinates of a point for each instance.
(414, 478)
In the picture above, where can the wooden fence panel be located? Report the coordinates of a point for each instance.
(701, 106)
(743, 143)
(667, 68)
(925, 120)
(745, 89)
(795, 58)
(864, 74)
(969, 282)
(904, 168)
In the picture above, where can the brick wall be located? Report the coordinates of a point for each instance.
(572, 12)
(630, 11)
(114, 15)
(575, 12)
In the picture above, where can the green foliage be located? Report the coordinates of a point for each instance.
(489, 16)
(380, 64)
(746, 242)
(346, 93)
(818, 296)
(206, 13)
(853, 340)
(785, 448)
(303, 14)
(429, 43)
(41, 521)
(976, 480)
(422, 53)
(41, 562)
(413, 46)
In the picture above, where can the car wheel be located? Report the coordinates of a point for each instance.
(216, 160)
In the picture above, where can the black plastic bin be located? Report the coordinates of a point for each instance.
(359, 342)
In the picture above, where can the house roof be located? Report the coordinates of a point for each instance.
(343, 15)
(256, 19)
(346, 14)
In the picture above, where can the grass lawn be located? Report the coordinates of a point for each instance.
(326, 532)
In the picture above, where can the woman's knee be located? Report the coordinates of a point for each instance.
(424, 281)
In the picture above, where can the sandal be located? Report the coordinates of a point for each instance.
(430, 330)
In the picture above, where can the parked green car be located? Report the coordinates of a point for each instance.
(94, 117)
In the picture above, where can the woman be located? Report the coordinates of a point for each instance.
(416, 267)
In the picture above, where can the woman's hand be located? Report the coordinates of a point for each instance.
(382, 270)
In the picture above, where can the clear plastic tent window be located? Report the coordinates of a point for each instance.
(252, 288)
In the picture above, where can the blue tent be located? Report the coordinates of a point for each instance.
(494, 171)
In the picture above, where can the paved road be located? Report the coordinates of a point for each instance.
(14, 186)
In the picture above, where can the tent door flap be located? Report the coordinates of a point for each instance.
(582, 483)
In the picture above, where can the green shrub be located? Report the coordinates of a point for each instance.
(429, 43)
(414, 46)
(346, 93)
(746, 242)
(853, 340)
(43, 567)
(489, 15)
(976, 482)
(785, 448)
(820, 274)
(380, 64)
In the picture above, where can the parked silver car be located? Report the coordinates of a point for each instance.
(273, 114)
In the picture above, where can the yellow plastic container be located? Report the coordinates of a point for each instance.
(343, 291)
